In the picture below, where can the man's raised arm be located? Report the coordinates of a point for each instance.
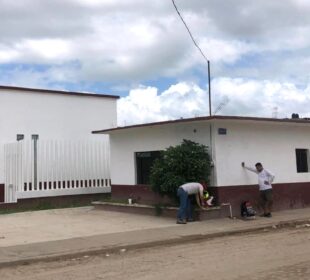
(248, 168)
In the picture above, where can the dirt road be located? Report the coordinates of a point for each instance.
(30, 227)
(281, 254)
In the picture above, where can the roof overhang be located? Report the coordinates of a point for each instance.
(74, 93)
(206, 119)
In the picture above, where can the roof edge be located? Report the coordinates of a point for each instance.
(205, 118)
(75, 93)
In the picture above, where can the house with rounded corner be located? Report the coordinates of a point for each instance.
(281, 145)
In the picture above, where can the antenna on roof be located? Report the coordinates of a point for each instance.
(222, 104)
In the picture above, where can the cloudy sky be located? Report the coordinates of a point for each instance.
(140, 50)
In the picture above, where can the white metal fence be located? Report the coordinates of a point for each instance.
(51, 168)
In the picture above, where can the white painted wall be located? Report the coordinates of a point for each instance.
(52, 116)
(124, 144)
(272, 144)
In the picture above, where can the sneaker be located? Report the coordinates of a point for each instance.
(181, 222)
(190, 220)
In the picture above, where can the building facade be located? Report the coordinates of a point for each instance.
(50, 115)
(282, 146)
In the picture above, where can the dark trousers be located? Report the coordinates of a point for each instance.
(185, 210)
(266, 198)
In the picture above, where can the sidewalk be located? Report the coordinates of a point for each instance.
(159, 231)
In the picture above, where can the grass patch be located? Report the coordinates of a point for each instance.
(159, 208)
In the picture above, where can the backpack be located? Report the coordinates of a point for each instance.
(247, 209)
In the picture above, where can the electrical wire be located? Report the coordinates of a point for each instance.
(204, 56)
(189, 32)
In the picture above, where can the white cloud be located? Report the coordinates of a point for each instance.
(141, 105)
(263, 46)
(145, 104)
(137, 40)
(240, 98)
(256, 98)
(46, 49)
(7, 54)
(225, 51)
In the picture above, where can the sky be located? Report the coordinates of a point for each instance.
(259, 52)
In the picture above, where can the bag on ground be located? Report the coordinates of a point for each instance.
(247, 209)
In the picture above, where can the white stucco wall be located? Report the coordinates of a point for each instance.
(272, 144)
(52, 116)
(124, 144)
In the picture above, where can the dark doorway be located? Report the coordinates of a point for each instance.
(144, 162)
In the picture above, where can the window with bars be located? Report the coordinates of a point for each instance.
(302, 158)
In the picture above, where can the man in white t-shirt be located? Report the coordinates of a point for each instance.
(185, 210)
(265, 178)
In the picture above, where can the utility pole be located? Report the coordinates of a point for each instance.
(209, 81)
(197, 46)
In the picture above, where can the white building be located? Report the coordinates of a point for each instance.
(52, 115)
(281, 145)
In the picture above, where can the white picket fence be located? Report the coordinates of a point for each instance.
(53, 168)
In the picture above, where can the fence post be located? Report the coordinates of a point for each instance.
(35, 138)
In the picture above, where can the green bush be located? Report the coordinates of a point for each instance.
(187, 162)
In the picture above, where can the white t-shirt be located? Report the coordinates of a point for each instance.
(193, 188)
(263, 176)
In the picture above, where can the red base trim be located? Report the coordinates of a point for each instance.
(286, 196)
(42, 203)
(1, 192)
(141, 193)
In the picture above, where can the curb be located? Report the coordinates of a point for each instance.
(150, 244)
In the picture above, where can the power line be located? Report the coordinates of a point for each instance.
(205, 57)
(189, 32)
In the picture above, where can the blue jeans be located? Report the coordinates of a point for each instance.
(185, 210)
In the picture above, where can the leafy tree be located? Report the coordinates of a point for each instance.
(187, 162)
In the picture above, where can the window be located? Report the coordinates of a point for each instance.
(144, 162)
(302, 156)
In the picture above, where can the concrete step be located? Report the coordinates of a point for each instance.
(213, 212)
